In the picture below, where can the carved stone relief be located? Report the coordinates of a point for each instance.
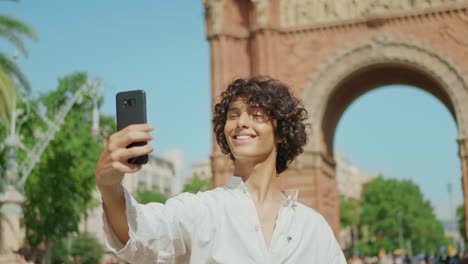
(262, 9)
(215, 10)
(306, 12)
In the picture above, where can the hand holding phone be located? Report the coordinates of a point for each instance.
(131, 109)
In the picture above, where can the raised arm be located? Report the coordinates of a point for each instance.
(111, 168)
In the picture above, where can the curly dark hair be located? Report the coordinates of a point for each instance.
(275, 98)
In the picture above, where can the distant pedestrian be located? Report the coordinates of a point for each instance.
(24, 256)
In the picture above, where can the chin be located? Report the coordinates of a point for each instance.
(244, 156)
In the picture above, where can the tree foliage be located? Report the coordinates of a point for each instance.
(61, 251)
(461, 220)
(86, 249)
(60, 186)
(147, 196)
(197, 184)
(390, 204)
(349, 211)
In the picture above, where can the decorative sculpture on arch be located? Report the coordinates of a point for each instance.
(305, 12)
(262, 9)
(215, 12)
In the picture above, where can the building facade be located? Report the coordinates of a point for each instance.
(351, 181)
(158, 174)
(350, 178)
(202, 169)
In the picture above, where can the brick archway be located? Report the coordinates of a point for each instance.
(331, 52)
(366, 66)
(380, 61)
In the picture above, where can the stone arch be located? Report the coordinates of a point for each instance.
(380, 61)
(365, 66)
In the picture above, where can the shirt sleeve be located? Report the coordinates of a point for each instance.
(158, 232)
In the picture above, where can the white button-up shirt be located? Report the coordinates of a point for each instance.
(222, 226)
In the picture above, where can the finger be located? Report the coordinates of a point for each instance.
(134, 127)
(139, 127)
(126, 167)
(123, 154)
(122, 140)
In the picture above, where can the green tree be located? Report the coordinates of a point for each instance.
(391, 206)
(349, 217)
(61, 251)
(147, 196)
(349, 211)
(59, 189)
(86, 249)
(197, 184)
(461, 220)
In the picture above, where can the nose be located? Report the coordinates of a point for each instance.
(243, 120)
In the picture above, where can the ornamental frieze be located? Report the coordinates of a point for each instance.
(305, 12)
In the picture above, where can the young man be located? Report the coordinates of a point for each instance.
(260, 125)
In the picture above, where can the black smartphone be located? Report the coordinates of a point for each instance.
(131, 109)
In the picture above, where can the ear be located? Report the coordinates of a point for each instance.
(278, 140)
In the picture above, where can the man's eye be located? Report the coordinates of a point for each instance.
(259, 117)
(232, 115)
(258, 113)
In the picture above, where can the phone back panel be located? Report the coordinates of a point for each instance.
(131, 108)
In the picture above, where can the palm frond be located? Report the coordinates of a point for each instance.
(7, 95)
(11, 68)
(13, 39)
(17, 26)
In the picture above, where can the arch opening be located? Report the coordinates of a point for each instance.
(367, 79)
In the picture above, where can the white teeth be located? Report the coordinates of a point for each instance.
(243, 137)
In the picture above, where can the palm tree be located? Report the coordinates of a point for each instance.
(14, 31)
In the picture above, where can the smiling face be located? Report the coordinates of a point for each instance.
(249, 131)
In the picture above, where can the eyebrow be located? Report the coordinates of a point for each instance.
(253, 107)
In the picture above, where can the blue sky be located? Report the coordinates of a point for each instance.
(160, 46)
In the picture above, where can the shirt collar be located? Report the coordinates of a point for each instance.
(236, 183)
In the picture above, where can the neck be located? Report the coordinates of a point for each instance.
(260, 178)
